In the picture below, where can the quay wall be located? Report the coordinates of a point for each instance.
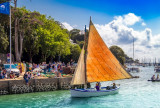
(35, 85)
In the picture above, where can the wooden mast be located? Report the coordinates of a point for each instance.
(85, 53)
(85, 50)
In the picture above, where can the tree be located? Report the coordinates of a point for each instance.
(37, 35)
(75, 52)
(128, 59)
(76, 36)
(4, 31)
(53, 39)
(26, 22)
(80, 43)
(19, 29)
(3, 40)
(118, 53)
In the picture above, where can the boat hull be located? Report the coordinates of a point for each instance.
(154, 80)
(92, 92)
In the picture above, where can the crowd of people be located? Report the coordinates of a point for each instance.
(32, 70)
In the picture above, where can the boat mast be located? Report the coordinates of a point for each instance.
(85, 54)
(85, 51)
(133, 49)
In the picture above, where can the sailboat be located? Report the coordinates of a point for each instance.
(96, 64)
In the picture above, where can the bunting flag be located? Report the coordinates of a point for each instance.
(5, 8)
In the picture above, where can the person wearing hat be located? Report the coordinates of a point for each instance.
(153, 77)
(157, 77)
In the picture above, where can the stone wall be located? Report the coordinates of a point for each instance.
(35, 85)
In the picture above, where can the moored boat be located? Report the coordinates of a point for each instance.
(157, 69)
(133, 69)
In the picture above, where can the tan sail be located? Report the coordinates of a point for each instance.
(101, 63)
(79, 74)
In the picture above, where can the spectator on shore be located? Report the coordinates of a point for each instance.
(68, 64)
(4, 73)
(24, 65)
(45, 67)
(0, 69)
(25, 76)
(1, 73)
(63, 64)
(20, 68)
(29, 75)
(38, 74)
(30, 66)
(60, 70)
(53, 67)
(55, 70)
(49, 67)
(12, 76)
(1, 76)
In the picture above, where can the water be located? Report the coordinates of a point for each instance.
(134, 93)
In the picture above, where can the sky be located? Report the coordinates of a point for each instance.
(117, 21)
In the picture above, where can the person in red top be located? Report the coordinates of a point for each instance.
(20, 68)
(12, 75)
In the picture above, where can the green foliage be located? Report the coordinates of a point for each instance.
(128, 59)
(118, 53)
(75, 52)
(80, 43)
(52, 38)
(3, 40)
(76, 36)
(42, 36)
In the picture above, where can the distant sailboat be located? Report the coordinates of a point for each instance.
(133, 68)
(96, 64)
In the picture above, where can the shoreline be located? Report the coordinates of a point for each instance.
(18, 86)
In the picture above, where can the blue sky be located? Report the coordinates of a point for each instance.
(132, 18)
(77, 12)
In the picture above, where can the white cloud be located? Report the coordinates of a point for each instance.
(67, 26)
(143, 24)
(131, 19)
(127, 20)
(118, 32)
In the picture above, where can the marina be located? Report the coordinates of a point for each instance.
(53, 56)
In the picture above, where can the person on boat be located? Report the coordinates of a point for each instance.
(157, 77)
(114, 85)
(153, 77)
(97, 86)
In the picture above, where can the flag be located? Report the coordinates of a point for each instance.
(5, 8)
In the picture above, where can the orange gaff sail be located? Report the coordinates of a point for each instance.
(101, 63)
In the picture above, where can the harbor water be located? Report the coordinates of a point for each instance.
(134, 93)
